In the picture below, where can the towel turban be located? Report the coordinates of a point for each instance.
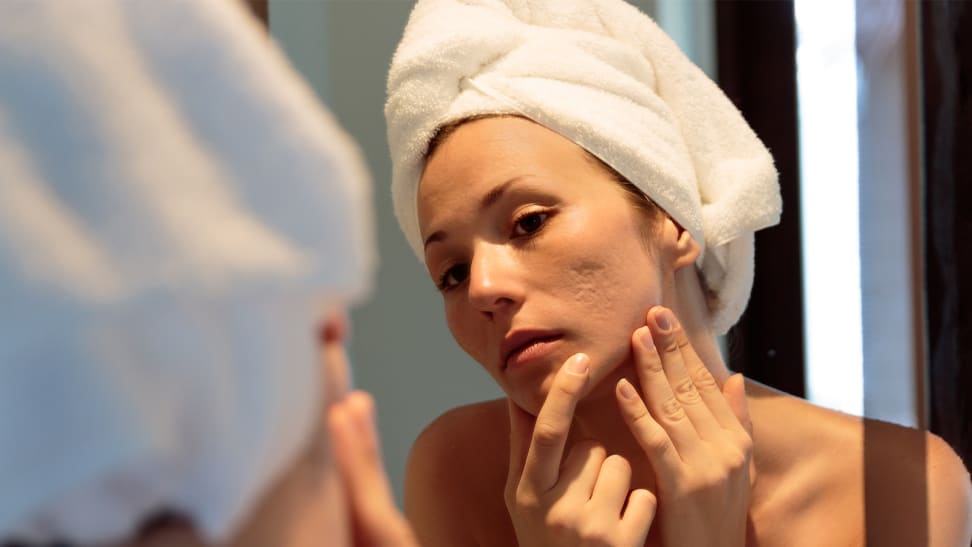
(176, 209)
(605, 76)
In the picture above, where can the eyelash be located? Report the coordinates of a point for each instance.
(540, 213)
(441, 283)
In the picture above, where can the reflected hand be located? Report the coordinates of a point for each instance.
(376, 520)
(697, 437)
(581, 500)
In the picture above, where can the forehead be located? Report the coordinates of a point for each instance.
(479, 155)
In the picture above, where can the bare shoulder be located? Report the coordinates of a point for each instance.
(916, 487)
(455, 477)
(949, 495)
(853, 480)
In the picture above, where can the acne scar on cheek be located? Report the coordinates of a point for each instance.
(585, 277)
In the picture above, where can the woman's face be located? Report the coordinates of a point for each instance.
(538, 253)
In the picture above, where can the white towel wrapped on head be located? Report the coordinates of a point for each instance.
(176, 209)
(604, 75)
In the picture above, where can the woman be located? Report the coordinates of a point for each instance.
(570, 180)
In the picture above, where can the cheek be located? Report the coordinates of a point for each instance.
(611, 286)
(609, 276)
(464, 330)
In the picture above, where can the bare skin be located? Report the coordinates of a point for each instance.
(525, 259)
(808, 492)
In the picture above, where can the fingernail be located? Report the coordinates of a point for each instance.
(646, 340)
(578, 364)
(663, 319)
(334, 327)
(626, 389)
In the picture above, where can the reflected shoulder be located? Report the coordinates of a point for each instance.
(455, 475)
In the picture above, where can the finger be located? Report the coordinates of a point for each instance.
(610, 492)
(706, 384)
(580, 472)
(337, 372)
(735, 397)
(356, 444)
(542, 466)
(672, 344)
(638, 516)
(659, 398)
(358, 455)
(521, 430)
(651, 436)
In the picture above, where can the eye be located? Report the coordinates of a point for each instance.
(453, 277)
(529, 223)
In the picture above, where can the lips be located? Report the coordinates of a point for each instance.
(522, 342)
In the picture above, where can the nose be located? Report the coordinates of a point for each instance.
(494, 279)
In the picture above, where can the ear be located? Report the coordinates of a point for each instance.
(686, 250)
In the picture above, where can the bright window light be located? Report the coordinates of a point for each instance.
(827, 96)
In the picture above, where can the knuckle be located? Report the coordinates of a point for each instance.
(547, 433)
(617, 464)
(653, 364)
(737, 460)
(703, 379)
(672, 410)
(658, 443)
(642, 419)
(681, 341)
(686, 392)
(559, 520)
(523, 500)
(670, 344)
(737, 464)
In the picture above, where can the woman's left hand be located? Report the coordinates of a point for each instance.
(697, 437)
(375, 519)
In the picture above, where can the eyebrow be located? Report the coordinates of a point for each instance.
(485, 203)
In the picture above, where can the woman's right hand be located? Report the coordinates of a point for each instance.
(582, 499)
(696, 435)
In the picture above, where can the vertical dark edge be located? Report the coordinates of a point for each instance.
(946, 42)
(757, 70)
(916, 159)
(880, 508)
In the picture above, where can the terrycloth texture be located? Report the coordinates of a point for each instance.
(604, 75)
(175, 211)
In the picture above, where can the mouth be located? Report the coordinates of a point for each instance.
(519, 347)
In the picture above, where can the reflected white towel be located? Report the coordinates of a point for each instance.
(607, 77)
(175, 211)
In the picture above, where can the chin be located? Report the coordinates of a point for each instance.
(605, 375)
